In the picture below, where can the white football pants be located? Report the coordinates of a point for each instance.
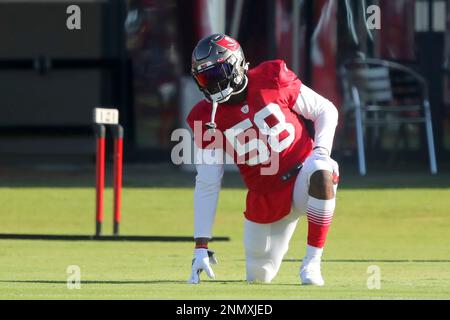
(266, 244)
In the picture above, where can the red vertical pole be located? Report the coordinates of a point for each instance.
(118, 161)
(100, 132)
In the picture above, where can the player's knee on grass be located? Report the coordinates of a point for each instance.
(260, 270)
(263, 266)
(321, 185)
(260, 264)
(265, 246)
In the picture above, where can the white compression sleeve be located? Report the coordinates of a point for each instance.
(322, 112)
(206, 194)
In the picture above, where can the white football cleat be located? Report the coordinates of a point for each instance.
(310, 273)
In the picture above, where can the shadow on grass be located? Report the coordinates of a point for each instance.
(56, 237)
(373, 260)
(148, 282)
(117, 281)
(368, 260)
(96, 281)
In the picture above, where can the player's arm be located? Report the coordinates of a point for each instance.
(207, 187)
(206, 194)
(323, 113)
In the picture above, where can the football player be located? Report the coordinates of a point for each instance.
(271, 101)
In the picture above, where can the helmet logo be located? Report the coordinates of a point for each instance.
(228, 43)
(245, 109)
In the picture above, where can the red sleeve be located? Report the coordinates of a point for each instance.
(286, 77)
(288, 83)
(276, 75)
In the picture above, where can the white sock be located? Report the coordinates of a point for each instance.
(313, 253)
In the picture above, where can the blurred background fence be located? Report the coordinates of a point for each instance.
(135, 55)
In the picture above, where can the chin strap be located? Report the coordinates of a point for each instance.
(212, 125)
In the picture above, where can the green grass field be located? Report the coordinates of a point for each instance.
(400, 223)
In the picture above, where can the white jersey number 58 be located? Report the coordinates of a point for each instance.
(253, 142)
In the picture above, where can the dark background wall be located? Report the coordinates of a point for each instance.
(132, 54)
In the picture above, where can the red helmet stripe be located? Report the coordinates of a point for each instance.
(228, 43)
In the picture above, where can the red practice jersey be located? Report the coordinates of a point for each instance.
(261, 133)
